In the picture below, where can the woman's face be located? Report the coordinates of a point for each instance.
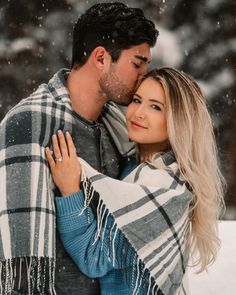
(146, 115)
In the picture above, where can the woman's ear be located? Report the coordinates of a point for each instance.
(100, 57)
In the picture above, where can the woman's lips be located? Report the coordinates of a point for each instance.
(137, 125)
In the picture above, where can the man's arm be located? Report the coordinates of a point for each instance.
(27, 214)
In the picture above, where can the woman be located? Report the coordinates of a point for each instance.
(167, 205)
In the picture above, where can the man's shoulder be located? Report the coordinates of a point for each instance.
(48, 95)
(31, 112)
(31, 104)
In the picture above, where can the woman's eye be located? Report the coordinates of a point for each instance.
(136, 100)
(155, 107)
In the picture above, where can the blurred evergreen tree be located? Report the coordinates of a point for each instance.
(34, 43)
(207, 33)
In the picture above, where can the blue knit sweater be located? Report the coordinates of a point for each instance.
(77, 233)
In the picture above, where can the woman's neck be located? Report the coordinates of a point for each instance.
(146, 151)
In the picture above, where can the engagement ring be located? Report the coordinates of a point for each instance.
(59, 159)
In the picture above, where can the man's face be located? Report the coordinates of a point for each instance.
(119, 81)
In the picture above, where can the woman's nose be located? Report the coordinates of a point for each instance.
(140, 113)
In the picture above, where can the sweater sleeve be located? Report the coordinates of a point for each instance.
(77, 230)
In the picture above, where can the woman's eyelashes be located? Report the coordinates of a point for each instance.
(136, 100)
(153, 105)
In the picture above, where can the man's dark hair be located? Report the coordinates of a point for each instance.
(115, 26)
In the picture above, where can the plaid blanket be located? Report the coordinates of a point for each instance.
(151, 208)
(27, 213)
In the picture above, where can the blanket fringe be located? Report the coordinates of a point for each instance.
(31, 275)
(139, 279)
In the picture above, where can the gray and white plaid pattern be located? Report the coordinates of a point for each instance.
(151, 208)
(27, 213)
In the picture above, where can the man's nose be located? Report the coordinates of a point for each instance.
(143, 70)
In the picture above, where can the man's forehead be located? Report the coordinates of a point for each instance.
(143, 54)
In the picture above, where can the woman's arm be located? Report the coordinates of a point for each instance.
(78, 231)
(78, 226)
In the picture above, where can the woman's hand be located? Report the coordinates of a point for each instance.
(65, 167)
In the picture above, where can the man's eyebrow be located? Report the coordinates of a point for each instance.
(142, 58)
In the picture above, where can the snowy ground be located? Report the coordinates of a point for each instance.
(221, 279)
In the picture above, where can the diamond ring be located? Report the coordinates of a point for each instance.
(59, 159)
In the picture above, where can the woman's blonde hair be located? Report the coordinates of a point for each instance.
(192, 140)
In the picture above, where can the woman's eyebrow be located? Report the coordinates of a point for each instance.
(156, 100)
(139, 96)
(151, 99)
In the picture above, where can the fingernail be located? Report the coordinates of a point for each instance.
(67, 133)
(54, 136)
(59, 132)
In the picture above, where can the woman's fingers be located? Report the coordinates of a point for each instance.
(72, 149)
(63, 145)
(65, 167)
(56, 148)
(70, 144)
(49, 158)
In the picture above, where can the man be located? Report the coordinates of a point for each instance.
(111, 49)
